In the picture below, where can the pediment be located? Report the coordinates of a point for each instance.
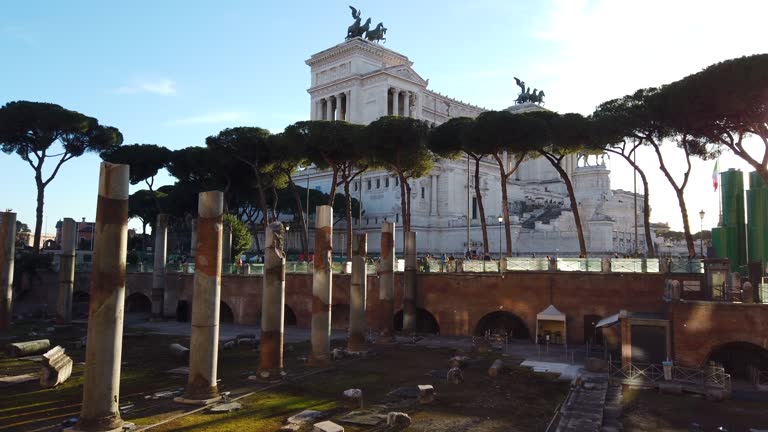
(407, 73)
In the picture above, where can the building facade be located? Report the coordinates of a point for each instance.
(360, 81)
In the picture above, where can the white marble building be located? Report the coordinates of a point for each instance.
(360, 81)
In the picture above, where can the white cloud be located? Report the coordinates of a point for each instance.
(214, 117)
(164, 87)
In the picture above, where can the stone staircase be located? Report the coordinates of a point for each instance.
(583, 410)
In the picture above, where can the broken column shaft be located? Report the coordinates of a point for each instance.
(387, 281)
(7, 253)
(66, 271)
(106, 309)
(273, 304)
(204, 342)
(357, 294)
(158, 271)
(409, 289)
(322, 287)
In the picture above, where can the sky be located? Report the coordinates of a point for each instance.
(174, 72)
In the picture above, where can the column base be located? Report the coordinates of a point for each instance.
(74, 429)
(356, 343)
(109, 424)
(268, 376)
(319, 360)
(199, 402)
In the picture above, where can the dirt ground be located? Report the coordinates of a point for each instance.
(648, 410)
(517, 400)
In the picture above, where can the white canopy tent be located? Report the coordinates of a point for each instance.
(550, 321)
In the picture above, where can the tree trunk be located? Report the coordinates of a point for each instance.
(403, 207)
(679, 191)
(408, 205)
(348, 197)
(504, 204)
(480, 207)
(332, 193)
(39, 211)
(646, 204)
(302, 221)
(555, 162)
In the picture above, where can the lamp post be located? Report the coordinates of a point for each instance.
(501, 221)
(701, 233)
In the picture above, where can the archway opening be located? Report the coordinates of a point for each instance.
(289, 318)
(425, 322)
(182, 311)
(502, 323)
(737, 358)
(80, 302)
(138, 303)
(340, 316)
(225, 314)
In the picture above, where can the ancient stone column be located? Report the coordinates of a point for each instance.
(273, 304)
(396, 102)
(357, 294)
(106, 309)
(193, 240)
(158, 272)
(409, 289)
(7, 253)
(387, 281)
(206, 295)
(66, 271)
(226, 247)
(322, 287)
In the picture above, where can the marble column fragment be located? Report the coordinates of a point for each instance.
(273, 304)
(409, 289)
(206, 296)
(357, 294)
(7, 255)
(66, 271)
(387, 282)
(101, 389)
(322, 287)
(158, 271)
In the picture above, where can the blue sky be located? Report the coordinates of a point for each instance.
(173, 72)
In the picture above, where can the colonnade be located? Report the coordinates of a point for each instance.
(401, 102)
(333, 107)
(101, 390)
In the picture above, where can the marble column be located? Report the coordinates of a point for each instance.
(409, 288)
(66, 271)
(322, 288)
(348, 115)
(226, 248)
(387, 281)
(7, 256)
(101, 389)
(395, 102)
(273, 304)
(158, 272)
(206, 297)
(328, 109)
(433, 196)
(357, 294)
(341, 106)
(407, 104)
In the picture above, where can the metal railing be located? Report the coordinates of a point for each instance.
(480, 266)
(644, 373)
(685, 265)
(580, 264)
(757, 377)
(634, 265)
(527, 264)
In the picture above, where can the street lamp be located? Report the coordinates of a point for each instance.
(701, 234)
(501, 220)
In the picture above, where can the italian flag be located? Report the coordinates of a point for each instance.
(715, 174)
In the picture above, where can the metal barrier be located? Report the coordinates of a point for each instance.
(634, 265)
(527, 264)
(480, 266)
(580, 264)
(762, 293)
(686, 265)
(643, 373)
(757, 377)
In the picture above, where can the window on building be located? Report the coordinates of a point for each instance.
(378, 183)
(355, 189)
(474, 207)
(397, 217)
(367, 221)
(397, 181)
(369, 185)
(422, 193)
(386, 182)
(376, 221)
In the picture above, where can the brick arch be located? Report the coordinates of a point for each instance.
(735, 357)
(501, 319)
(426, 321)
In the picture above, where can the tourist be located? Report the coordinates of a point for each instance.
(442, 262)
